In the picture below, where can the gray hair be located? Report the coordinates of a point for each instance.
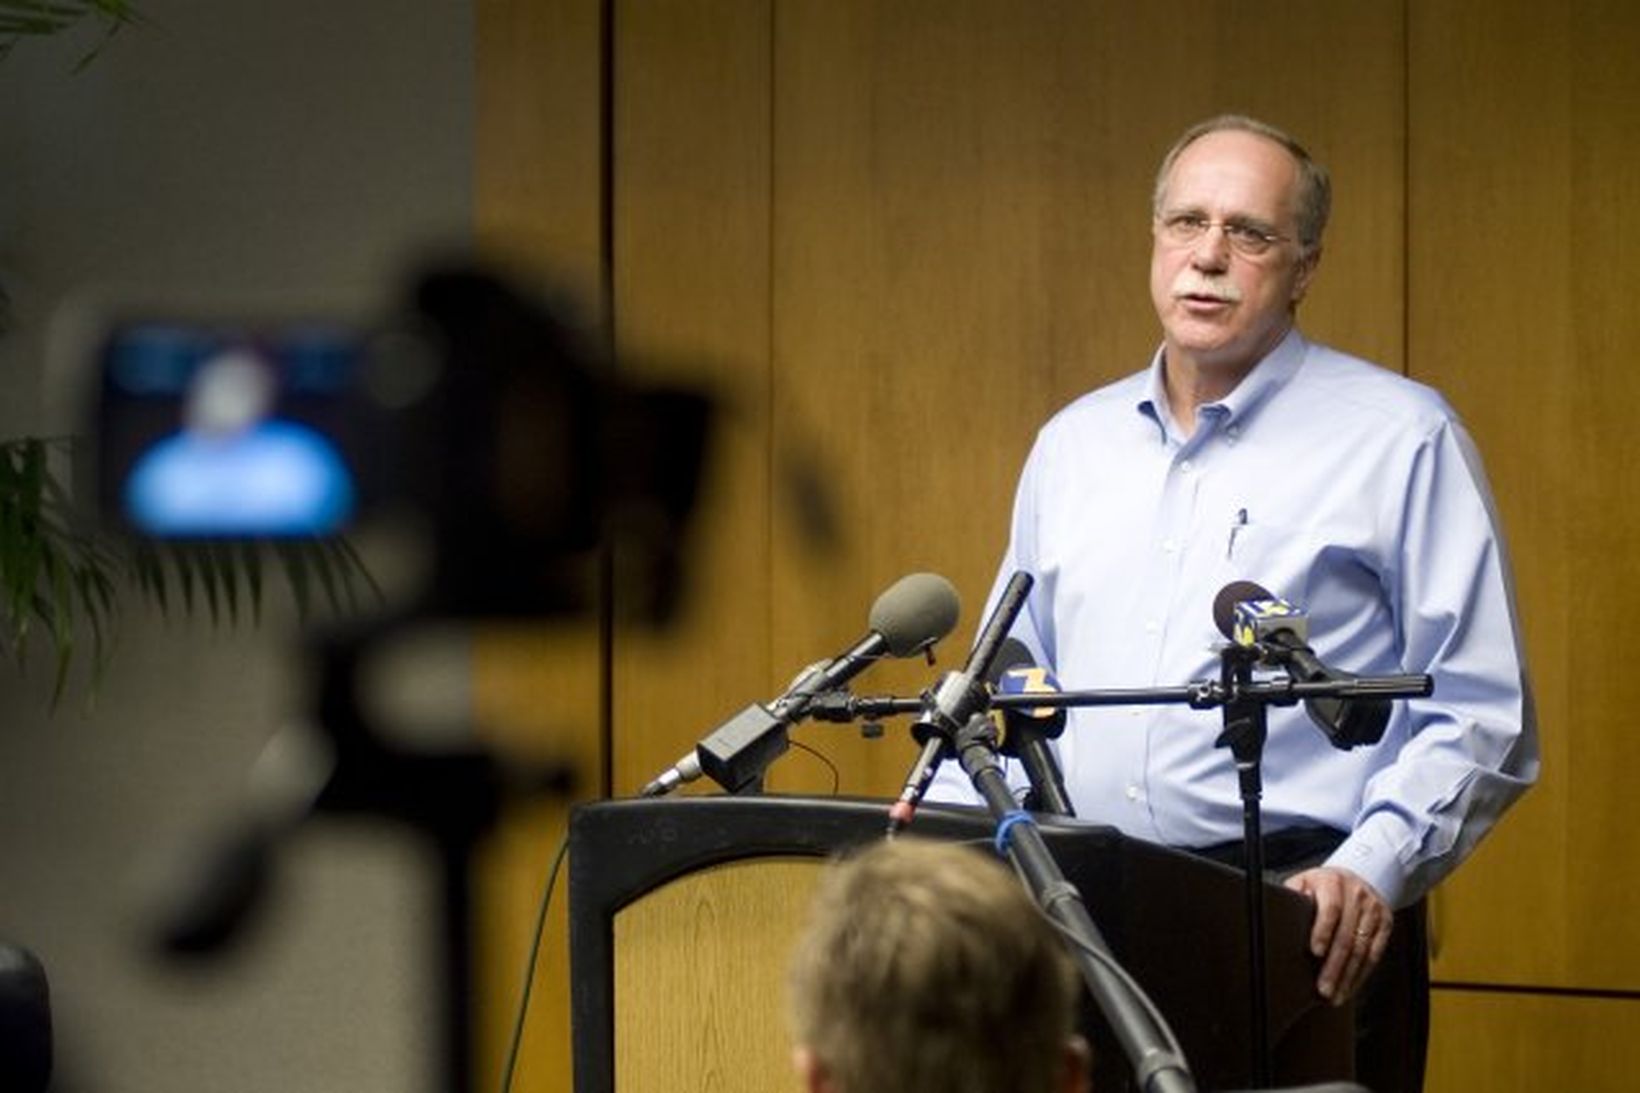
(1314, 186)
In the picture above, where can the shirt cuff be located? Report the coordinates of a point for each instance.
(1370, 852)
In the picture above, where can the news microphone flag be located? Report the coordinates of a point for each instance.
(1255, 621)
(1030, 679)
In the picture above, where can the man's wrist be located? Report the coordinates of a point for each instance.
(1370, 852)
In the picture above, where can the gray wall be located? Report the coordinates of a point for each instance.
(311, 147)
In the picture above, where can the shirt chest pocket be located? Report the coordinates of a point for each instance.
(1280, 558)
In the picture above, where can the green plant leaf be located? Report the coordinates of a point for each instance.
(21, 19)
(355, 572)
(61, 613)
(294, 561)
(59, 577)
(205, 568)
(223, 559)
(147, 572)
(250, 561)
(183, 566)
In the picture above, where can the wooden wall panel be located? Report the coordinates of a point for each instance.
(903, 234)
(691, 193)
(1529, 1043)
(538, 175)
(538, 207)
(961, 245)
(1525, 243)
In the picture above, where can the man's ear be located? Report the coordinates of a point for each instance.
(1305, 274)
(811, 1072)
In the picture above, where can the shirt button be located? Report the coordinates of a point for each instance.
(1151, 627)
(1133, 793)
(1170, 545)
(1185, 467)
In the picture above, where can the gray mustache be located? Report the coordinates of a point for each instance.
(1194, 284)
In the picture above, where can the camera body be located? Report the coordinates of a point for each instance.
(525, 454)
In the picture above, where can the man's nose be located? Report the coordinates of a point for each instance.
(1212, 250)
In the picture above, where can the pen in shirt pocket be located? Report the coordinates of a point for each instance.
(1235, 529)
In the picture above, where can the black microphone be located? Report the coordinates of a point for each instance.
(960, 695)
(913, 614)
(1025, 731)
(1251, 615)
(956, 698)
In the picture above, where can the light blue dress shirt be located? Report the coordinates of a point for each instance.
(1344, 488)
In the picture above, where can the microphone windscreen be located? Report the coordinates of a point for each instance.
(916, 611)
(1224, 604)
(1015, 672)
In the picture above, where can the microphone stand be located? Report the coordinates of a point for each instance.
(1158, 1064)
(1246, 727)
(1048, 793)
(1245, 703)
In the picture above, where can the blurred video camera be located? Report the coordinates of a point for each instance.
(476, 414)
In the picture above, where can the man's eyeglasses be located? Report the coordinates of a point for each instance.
(1184, 229)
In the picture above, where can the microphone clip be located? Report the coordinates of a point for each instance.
(948, 705)
(1246, 726)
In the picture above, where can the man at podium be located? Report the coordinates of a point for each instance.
(1246, 452)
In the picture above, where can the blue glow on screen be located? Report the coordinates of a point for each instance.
(276, 478)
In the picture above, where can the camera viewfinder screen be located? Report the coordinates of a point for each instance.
(216, 432)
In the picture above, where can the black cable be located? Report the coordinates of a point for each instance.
(836, 776)
(529, 964)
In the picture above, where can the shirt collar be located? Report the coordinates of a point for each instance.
(1266, 378)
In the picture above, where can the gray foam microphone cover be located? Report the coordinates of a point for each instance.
(915, 612)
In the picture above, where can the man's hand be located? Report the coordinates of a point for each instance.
(1352, 927)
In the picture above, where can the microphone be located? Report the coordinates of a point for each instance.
(1025, 731)
(955, 699)
(1252, 616)
(909, 617)
(960, 695)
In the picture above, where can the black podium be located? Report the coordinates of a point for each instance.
(1176, 922)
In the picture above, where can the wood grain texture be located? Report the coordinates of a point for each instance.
(538, 202)
(1523, 169)
(961, 245)
(901, 235)
(692, 302)
(700, 979)
(537, 154)
(1522, 1043)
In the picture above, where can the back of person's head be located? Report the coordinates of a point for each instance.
(926, 968)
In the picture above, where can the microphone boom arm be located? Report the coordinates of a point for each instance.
(1201, 695)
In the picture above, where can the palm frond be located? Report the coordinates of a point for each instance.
(52, 576)
(20, 19)
(294, 561)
